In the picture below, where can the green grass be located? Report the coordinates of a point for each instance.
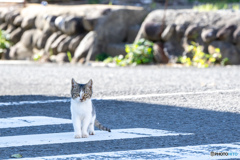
(216, 6)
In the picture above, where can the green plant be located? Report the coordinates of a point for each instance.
(69, 56)
(4, 42)
(216, 6)
(101, 56)
(201, 59)
(140, 52)
(37, 56)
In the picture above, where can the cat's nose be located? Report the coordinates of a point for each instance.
(81, 100)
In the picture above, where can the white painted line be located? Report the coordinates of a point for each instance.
(67, 137)
(31, 121)
(166, 94)
(187, 153)
(34, 102)
(119, 97)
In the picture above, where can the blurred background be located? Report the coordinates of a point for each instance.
(199, 33)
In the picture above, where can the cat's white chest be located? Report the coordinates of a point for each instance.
(81, 108)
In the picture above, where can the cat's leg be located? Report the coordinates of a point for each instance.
(86, 122)
(77, 126)
(91, 127)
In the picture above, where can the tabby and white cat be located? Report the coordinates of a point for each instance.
(83, 111)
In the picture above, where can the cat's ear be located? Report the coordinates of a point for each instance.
(74, 83)
(90, 83)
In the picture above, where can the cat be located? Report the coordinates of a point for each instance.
(82, 110)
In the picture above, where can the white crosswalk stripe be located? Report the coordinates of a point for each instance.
(187, 153)
(31, 121)
(67, 137)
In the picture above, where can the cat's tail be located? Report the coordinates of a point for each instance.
(100, 126)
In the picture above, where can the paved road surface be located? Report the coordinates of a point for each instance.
(154, 112)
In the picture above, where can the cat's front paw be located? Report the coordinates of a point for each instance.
(77, 136)
(85, 136)
(91, 133)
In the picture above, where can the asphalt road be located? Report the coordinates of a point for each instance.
(186, 113)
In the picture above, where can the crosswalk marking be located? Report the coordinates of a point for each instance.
(120, 97)
(67, 137)
(199, 152)
(31, 121)
(34, 102)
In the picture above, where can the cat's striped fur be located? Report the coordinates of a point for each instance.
(83, 111)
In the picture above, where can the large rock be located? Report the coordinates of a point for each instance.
(49, 24)
(132, 33)
(73, 25)
(69, 24)
(153, 31)
(75, 42)
(3, 26)
(3, 15)
(56, 43)
(174, 46)
(236, 36)
(226, 33)
(9, 18)
(27, 38)
(153, 24)
(192, 32)
(113, 28)
(16, 35)
(10, 28)
(159, 55)
(28, 22)
(62, 57)
(18, 21)
(85, 46)
(5, 54)
(39, 22)
(227, 50)
(180, 30)
(208, 34)
(50, 40)
(63, 46)
(20, 52)
(90, 20)
(168, 32)
(38, 34)
(42, 40)
(116, 49)
(59, 22)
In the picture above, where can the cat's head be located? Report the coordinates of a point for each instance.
(81, 92)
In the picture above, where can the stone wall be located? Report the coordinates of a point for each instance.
(88, 30)
(84, 30)
(219, 29)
